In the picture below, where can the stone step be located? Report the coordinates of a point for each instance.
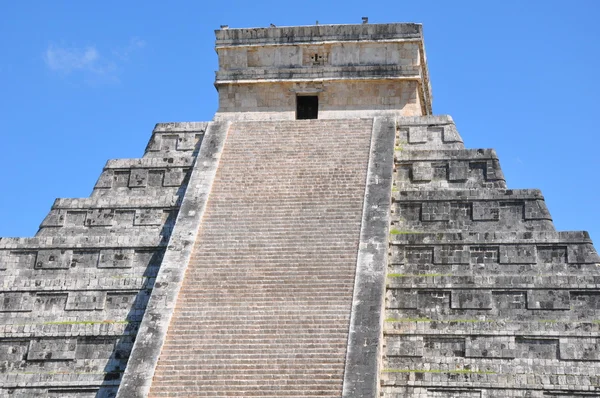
(275, 259)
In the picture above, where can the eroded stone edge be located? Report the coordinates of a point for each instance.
(139, 372)
(361, 375)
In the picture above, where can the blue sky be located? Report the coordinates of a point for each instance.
(83, 82)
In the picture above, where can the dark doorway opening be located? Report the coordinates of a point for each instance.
(307, 107)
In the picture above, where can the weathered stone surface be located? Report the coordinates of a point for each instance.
(366, 255)
(505, 306)
(72, 298)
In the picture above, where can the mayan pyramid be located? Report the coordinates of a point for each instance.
(325, 235)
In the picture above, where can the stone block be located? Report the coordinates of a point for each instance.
(582, 253)
(518, 254)
(149, 217)
(120, 300)
(552, 254)
(401, 299)
(485, 211)
(115, 258)
(509, 300)
(99, 218)
(548, 300)
(404, 346)
(490, 347)
(189, 141)
(13, 350)
(458, 170)
(168, 142)
(417, 135)
(155, 178)
(579, 349)
(55, 218)
(537, 348)
(105, 180)
(120, 178)
(422, 172)
(471, 299)
(16, 301)
(174, 177)
(453, 393)
(418, 255)
(16, 260)
(53, 259)
(484, 254)
(49, 303)
(138, 178)
(536, 210)
(435, 211)
(441, 346)
(75, 218)
(435, 301)
(52, 349)
(96, 347)
(451, 254)
(85, 301)
(396, 255)
(450, 134)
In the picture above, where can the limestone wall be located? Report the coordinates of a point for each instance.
(337, 99)
(355, 70)
(73, 296)
(483, 297)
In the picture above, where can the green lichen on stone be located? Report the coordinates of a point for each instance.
(457, 371)
(394, 275)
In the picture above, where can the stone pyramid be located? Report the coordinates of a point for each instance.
(324, 236)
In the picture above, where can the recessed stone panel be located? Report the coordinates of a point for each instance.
(85, 301)
(518, 254)
(484, 254)
(458, 171)
(52, 349)
(536, 348)
(16, 301)
(48, 303)
(173, 177)
(99, 218)
(417, 135)
(548, 300)
(485, 211)
(149, 217)
(401, 299)
(115, 258)
(404, 346)
(53, 259)
(422, 172)
(138, 178)
(471, 299)
(552, 254)
(435, 211)
(583, 253)
(490, 347)
(17, 260)
(579, 349)
(451, 254)
(13, 350)
(418, 255)
(84, 258)
(120, 300)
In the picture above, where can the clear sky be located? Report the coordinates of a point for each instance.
(84, 81)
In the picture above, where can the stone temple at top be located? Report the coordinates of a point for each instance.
(324, 236)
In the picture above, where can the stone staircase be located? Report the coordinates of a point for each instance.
(265, 305)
